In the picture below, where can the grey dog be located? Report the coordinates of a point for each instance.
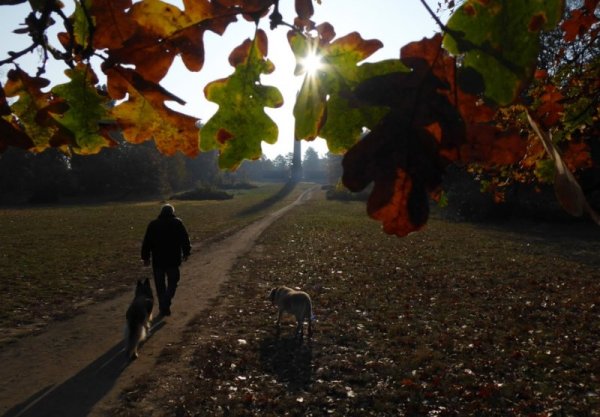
(139, 318)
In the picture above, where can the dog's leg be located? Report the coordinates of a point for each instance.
(278, 323)
(300, 330)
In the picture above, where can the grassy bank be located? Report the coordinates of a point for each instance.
(55, 259)
(458, 320)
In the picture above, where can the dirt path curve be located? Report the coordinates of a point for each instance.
(78, 368)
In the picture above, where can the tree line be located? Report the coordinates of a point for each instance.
(130, 171)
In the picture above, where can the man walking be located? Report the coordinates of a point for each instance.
(167, 243)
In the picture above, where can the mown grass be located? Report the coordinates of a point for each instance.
(55, 259)
(457, 320)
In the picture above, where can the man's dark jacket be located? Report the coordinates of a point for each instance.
(167, 240)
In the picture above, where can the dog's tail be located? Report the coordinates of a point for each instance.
(311, 311)
(135, 333)
(311, 317)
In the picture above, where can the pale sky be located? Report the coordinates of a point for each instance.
(394, 22)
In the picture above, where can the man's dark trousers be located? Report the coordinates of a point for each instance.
(165, 288)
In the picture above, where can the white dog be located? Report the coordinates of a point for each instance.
(293, 302)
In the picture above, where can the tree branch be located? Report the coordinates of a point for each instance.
(16, 55)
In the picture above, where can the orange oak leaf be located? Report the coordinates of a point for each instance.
(403, 154)
(304, 9)
(145, 116)
(33, 109)
(577, 156)
(551, 109)
(580, 21)
(11, 134)
(490, 146)
(114, 25)
(399, 205)
(443, 66)
(158, 31)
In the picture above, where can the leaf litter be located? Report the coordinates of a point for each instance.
(455, 320)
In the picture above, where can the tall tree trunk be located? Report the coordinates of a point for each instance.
(297, 161)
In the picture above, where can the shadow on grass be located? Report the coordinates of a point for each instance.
(287, 359)
(79, 394)
(287, 188)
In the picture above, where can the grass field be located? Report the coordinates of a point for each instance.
(457, 320)
(55, 259)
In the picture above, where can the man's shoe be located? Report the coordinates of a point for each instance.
(165, 312)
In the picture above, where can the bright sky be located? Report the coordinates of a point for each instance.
(394, 22)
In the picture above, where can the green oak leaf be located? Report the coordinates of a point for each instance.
(325, 105)
(346, 119)
(241, 124)
(309, 109)
(81, 23)
(500, 40)
(87, 109)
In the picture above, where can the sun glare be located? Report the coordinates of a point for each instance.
(312, 63)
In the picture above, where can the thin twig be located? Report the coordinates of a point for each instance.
(16, 55)
(434, 16)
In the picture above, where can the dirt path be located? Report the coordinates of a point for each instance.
(78, 368)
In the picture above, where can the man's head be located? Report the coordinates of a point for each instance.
(167, 211)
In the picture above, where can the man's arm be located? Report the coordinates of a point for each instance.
(186, 247)
(146, 247)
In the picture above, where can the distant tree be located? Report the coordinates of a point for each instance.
(127, 170)
(202, 169)
(280, 162)
(84, 172)
(289, 160)
(311, 158)
(257, 170)
(314, 168)
(16, 174)
(176, 171)
(51, 171)
(281, 168)
(334, 168)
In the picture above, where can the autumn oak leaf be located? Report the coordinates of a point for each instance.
(11, 133)
(87, 110)
(151, 33)
(145, 115)
(241, 124)
(117, 26)
(403, 155)
(325, 105)
(499, 39)
(33, 107)
(580, 21)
